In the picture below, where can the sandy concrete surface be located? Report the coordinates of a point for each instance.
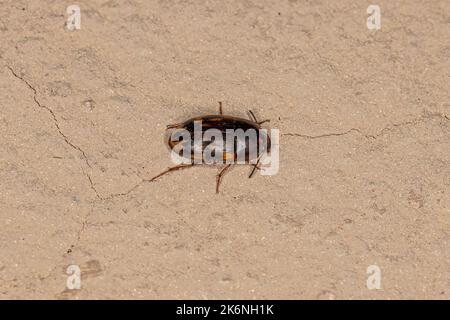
(364, 176)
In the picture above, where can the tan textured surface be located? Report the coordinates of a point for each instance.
(365, 152)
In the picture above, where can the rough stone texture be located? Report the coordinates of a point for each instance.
(364, 157)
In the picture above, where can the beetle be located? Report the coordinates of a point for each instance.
(222, 123)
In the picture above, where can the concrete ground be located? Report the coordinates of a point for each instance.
(364, 176)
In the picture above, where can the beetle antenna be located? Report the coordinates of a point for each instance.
(220, 108)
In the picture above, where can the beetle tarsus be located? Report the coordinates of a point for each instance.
(220, 175)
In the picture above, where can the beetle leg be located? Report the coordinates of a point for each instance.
(175, 125)
(255, 166)
(252, 116)
(220, 108)
(219, 176)
(178, 167)
(261, 122)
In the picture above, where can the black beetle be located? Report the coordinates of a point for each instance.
(222, 123)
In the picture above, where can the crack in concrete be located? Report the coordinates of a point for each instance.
(58, 128)
(84, 224)
(77, 148)
(369, 136)
(91, 185)
(121, 194)
(55, 120)
(66, 139)
(113, 195)
(333, 134)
